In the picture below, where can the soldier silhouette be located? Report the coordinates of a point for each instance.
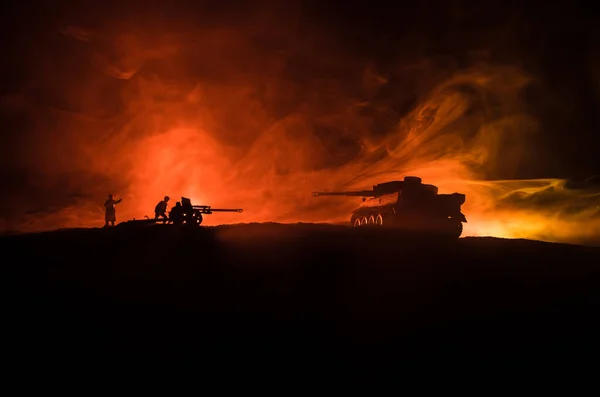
(176, 214)
(161, 209)
(110, 216)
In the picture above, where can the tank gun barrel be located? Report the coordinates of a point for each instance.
(362, 193)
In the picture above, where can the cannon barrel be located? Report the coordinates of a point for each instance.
(362, 193)
(207, 209)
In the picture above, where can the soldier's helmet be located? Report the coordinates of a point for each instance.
(166, 198)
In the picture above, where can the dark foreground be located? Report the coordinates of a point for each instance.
(362, 304)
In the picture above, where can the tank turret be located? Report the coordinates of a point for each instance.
(407, 204)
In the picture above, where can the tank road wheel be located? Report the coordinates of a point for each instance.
(363, 221)
(371, 220)
(457, 230)
(453, 229)
(379, 220)
(355, 221)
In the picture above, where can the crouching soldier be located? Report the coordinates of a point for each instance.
(176, 214)
(161, 209)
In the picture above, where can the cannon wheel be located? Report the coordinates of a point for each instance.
(195, 219)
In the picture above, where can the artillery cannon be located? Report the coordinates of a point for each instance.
(192, 214)
(409, 205)
(180, 214)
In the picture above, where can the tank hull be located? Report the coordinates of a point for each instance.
(407, 205)
(441, 214)
(383, 217)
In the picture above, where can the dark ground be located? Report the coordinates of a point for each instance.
(326, 299)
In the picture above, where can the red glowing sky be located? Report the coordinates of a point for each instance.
(258, 118)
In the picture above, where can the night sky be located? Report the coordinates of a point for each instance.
(555, 44)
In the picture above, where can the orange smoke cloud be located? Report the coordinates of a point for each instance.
(249, 125)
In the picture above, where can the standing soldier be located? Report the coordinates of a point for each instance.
(161, 209)
(111, 213)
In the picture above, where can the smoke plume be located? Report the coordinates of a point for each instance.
(256, 118)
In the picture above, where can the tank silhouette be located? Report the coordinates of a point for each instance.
(408, 204)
